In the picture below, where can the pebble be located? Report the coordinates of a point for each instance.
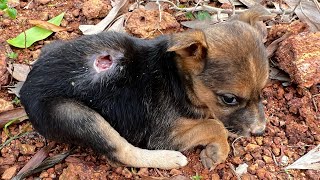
(284, 160)
(259, 140)
(44, 16)
(175, 172)
(9, 173)
(261, 173)
(43, 2)
(26, 149)
(253, 168)
(260, 163)
(143, 172)
(75, 12)
(251, 147)
(44, 174)
(267, 159)
(215, 176)
(248, 157)
(236, 160)
(126, 173)
(276, 151)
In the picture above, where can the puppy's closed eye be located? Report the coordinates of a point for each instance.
(229, 99)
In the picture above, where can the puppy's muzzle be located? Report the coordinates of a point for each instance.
(258, 129)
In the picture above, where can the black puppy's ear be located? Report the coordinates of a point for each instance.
(191, 47)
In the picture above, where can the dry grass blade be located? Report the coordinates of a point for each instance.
(311, 160)
(308, 12)
(18, 113)
(47, 25)
(19, 71)
(95, 29)
(47, 163)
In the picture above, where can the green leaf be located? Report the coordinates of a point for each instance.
(203, 15)
(189, 15)
(12, 12)
(3, 6)
(34, 34)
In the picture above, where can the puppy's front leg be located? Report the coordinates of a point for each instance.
(210, 133)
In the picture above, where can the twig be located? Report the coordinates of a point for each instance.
(216, 10)
(27, 6)
(232, 144)
(317, 4)
(299, 3)
(159, 8)
(234, 171)
(199, 1)
(157, 170)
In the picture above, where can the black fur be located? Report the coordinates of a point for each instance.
(144, 89)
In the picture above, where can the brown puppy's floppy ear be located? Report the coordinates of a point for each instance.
(191, 47)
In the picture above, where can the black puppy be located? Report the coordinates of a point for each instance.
(115, 93)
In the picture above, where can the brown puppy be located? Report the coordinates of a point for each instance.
(125, 97)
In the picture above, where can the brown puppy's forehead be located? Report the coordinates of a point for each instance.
(237, 61)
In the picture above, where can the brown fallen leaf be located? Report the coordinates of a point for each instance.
(19, 71)
(307, 12)
(42, 165)
(47, 25)
(275, 44)
(37, 159)
(5, 105)
(18, 113)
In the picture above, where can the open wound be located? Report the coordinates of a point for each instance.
(102, 63)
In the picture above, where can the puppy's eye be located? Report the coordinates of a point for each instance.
(229, 99)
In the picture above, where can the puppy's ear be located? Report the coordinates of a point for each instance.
(191, 47)
(253, 15)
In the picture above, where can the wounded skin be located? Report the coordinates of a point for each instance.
(102, 63)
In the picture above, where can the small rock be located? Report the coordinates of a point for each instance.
(44, 174)
(276, 151)
(44, 16)
(260, 163)
(267, 159)
(27, 149)
(284, 161)
(215, 176)
(179, 177)
(43, 2)
(5, 105)
(256, 155)
(242, 169)
(126, 173)
(9, 173)
(248, 157)
(251, 147)
(96, 8)
(175, 172)
(236, 160)
(75, 13)
(253, 168)
(259, 140)
(13, 3)
(261, 173)
(143, 172)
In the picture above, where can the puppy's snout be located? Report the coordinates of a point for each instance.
(258, 130)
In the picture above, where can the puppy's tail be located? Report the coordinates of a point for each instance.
(70, 121)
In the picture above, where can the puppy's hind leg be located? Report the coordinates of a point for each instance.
(82, 125)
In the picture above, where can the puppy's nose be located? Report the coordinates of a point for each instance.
(258, 131)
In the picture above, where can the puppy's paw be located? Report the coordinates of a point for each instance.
(171, 159)
(211, 156)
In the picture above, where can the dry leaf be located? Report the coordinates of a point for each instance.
(118, 25)
(279, 75)
(249, 3)
(275, 44)
(18, 113)
(47, 25)
(36, 160)
(307, 12)
(16, 88)
(95, 29)
(311, 160)
(196, 24)
(235, 2)
(19, 71)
